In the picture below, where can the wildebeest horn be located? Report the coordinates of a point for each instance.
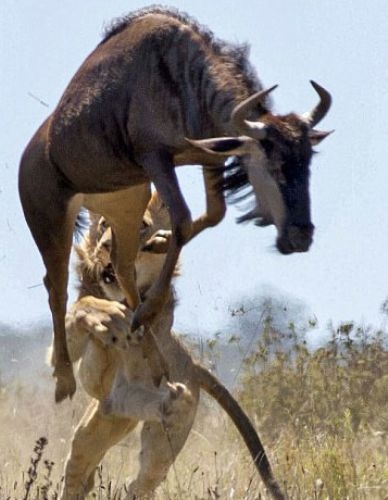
(315, 116)
(242, 110)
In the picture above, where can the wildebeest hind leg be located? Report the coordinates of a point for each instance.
(50, 209)
(55, 252)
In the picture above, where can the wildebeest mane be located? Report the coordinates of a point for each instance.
(233, 55)
(119, 24)
(81, 225)
(235, 181)
(233, 59)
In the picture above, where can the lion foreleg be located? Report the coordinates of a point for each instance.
(89, 315)
(132, 399)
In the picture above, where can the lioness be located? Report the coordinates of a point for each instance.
(114, 372)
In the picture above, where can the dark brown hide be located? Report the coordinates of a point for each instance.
(156, 79)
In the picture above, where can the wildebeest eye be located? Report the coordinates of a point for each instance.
(267, 146)
(279, 177)
(114, 339)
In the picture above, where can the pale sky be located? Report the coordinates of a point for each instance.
(341, 45)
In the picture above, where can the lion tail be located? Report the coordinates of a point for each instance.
(220, 393)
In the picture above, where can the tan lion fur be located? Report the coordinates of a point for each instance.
(115, 374)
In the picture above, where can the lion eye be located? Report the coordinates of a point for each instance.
(108, 275)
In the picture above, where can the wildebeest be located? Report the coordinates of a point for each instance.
(156, 79)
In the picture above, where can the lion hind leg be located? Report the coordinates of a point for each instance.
(93, 437)
(160, 445)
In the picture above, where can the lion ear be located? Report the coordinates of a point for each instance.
(93, 227)
(223, 146)
(83, 251)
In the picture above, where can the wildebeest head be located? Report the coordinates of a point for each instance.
(273, 156)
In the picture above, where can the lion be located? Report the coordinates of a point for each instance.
(115, 373)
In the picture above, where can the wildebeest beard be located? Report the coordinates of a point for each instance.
(236, 187)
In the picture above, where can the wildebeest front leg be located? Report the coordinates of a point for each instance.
(159, 167)
(215, 210)
(215, 202)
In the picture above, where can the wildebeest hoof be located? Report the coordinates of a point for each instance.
(158, 243)
(65, 385)
(135, 323)
(144, 315)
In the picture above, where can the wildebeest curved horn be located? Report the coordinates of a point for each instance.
(315, 116)
(242, 110)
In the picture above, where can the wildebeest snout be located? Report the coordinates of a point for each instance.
(296, 238)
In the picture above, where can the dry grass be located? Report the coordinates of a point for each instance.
(213, 464)
(322, 415)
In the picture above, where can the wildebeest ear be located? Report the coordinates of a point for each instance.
(316, 136)
(223, 146)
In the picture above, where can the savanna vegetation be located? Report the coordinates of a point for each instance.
(322, 413)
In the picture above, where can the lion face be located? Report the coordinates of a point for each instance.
(95, 253)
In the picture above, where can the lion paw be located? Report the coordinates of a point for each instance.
(177, 403)
(95, 315)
